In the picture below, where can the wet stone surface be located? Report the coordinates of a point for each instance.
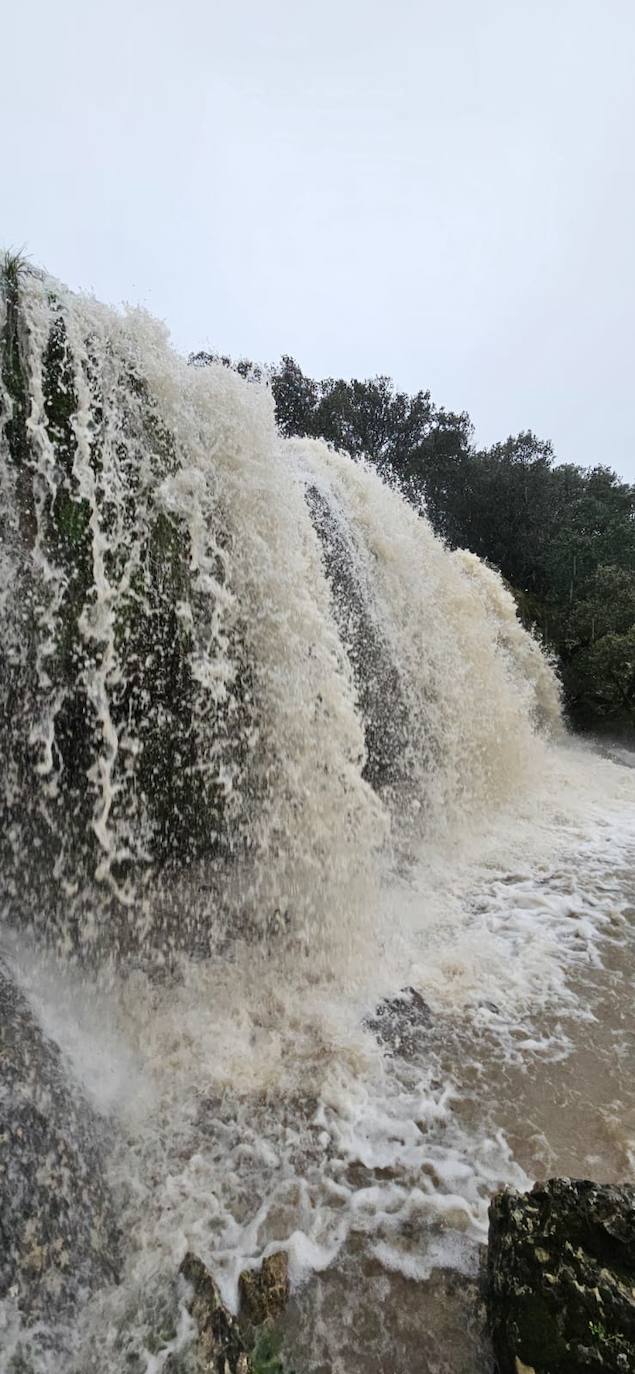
(264, 1292)
(225, 1344)
(561, 1278)
(220, 1348)
(400, 1023)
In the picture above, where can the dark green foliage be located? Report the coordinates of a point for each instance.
(564, 539)
(266, 1357)
(495, 503)
(370, 418)
(597, 631)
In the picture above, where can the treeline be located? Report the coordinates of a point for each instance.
(562, 536)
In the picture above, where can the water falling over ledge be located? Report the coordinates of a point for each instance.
(272, 753)
(184, 694)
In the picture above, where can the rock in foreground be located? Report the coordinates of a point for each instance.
(561, 1279)
(220, 1346)
(225, 1345)
(264, 1292)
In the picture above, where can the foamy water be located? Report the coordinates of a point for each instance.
(254, 1109)
(386, 800)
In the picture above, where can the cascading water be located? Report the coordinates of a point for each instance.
(443, 667)
(171, 654)
(270, 754)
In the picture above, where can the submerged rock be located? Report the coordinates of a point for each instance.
(401, 1022)
(561, 1279)
(58, 1238)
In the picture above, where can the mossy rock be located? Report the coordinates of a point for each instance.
(266, 1357)
(220, 1348)
(264, 1292)
(115, 755)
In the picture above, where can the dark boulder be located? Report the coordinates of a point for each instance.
(401, 1023)
(561, 1279)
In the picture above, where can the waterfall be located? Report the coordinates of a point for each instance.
(303, 886)
(447, 679)
(231, 664)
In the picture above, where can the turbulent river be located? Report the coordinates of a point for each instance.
(401, 976)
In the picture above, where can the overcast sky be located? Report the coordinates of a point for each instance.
(439, 191)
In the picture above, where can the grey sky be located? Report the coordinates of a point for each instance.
(441, 191)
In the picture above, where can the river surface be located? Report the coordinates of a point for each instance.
(300, 1100)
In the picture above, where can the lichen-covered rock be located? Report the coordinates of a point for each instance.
(264, 1292)
(561, 1279)
(220, 1348)
(58, 1238)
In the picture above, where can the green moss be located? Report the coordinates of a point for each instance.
(266, 1357)
(612, 1344)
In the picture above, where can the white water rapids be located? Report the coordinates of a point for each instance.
(405, 810)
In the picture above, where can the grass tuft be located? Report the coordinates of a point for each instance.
(13, 266)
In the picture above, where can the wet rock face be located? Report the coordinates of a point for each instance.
(220, 1348)
(115, 618)
(264, 1292)
(225, 1344)
(58, 1238)
(376, 676)
(561, 1279)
